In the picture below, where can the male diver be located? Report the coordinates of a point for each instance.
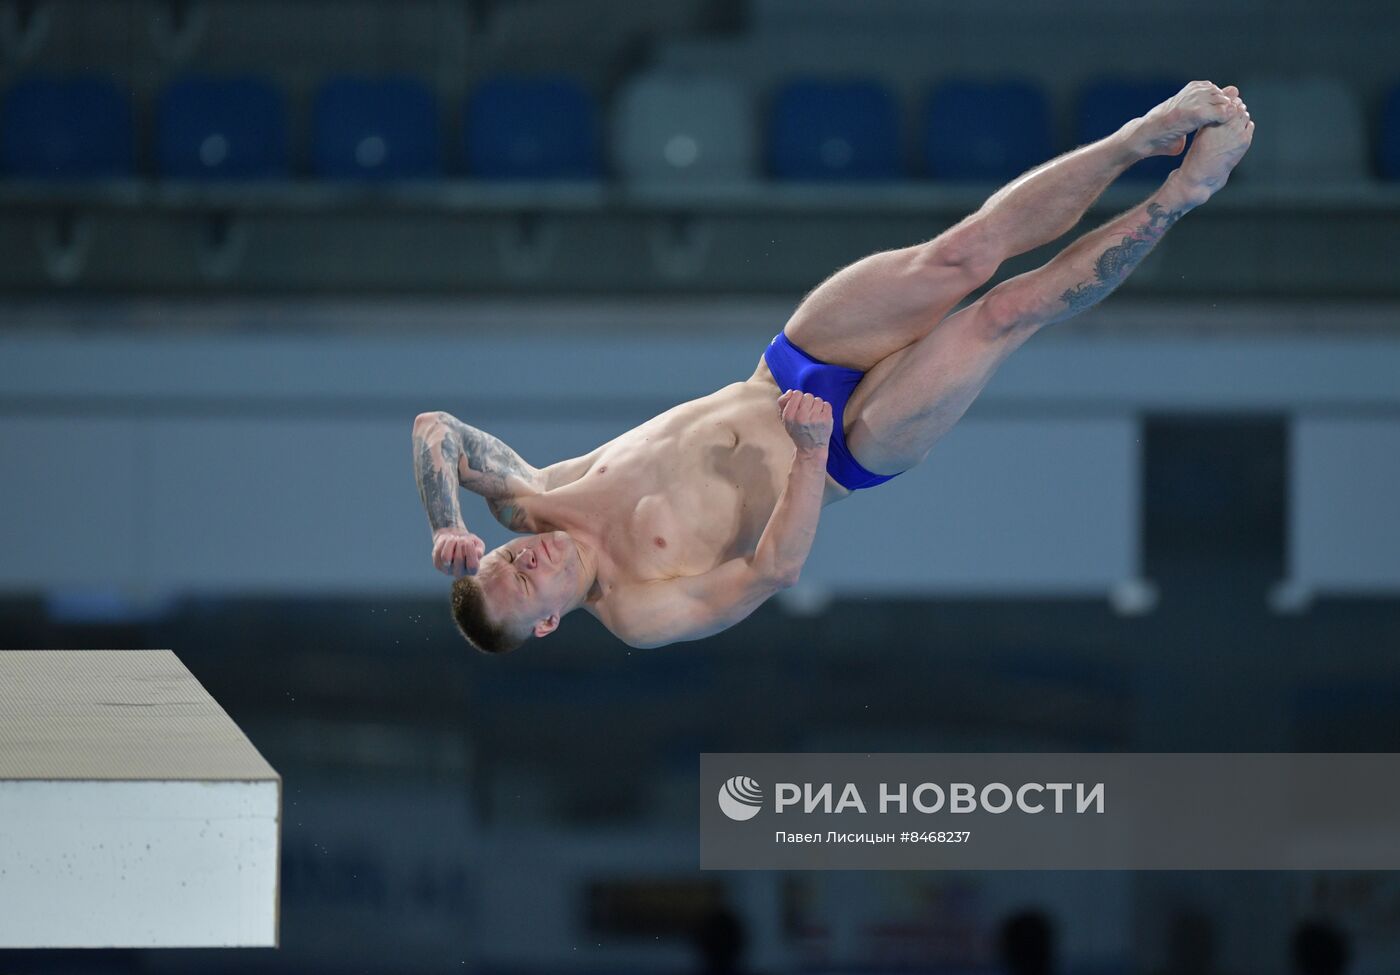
(682, 526)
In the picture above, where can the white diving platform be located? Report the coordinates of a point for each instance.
(133, 811)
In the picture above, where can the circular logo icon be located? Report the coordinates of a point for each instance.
(740, 798)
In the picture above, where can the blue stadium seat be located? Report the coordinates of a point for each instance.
(1388, 147)
(834, 130)
(66, 128)
(541, 128)
(1105, 104)
(986, 131)
(221, 128)
(375, 129)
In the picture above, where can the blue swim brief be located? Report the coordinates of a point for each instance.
(795, 369)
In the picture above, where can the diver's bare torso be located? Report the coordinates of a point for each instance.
(679, 494)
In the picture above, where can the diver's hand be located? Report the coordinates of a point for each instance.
(457, 551)
(807, 419)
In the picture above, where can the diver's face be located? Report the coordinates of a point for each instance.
(531, 579)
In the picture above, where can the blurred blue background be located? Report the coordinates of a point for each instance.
(243, 243)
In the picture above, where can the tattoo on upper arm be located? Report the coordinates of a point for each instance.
(490, 465)
(508, 513)
(1114, 264)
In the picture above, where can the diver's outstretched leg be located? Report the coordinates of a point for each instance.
(869, 310)
(907, 402)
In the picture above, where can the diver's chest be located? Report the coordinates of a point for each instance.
(679, 530)
(655, 528)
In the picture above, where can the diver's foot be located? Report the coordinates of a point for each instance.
(1163, 130)
(1215, 151)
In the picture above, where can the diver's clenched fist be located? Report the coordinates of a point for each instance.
(807, 419)
(457, 551)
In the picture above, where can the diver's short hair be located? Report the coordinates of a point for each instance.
(469, 612)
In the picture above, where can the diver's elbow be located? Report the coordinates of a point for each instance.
(423, 423)
(785, 577)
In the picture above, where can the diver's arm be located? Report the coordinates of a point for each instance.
(448, 453)
(653, 614)
(792, 527)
